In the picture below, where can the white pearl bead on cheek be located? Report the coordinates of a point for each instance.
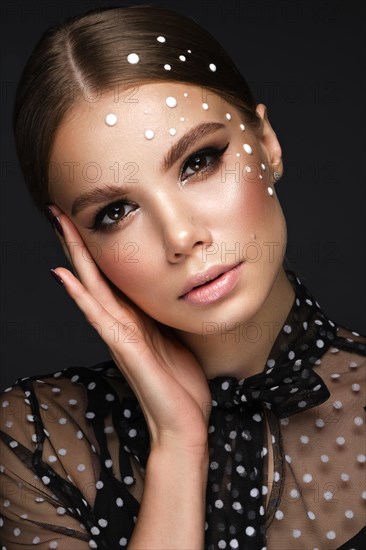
(270, 191)
(111, 119)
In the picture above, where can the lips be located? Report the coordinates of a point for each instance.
(200, 279)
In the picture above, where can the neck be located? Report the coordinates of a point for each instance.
(239, 352)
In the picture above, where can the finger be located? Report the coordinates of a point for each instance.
(114, 331)
(52, 213)
(83, 264)
(68, 236)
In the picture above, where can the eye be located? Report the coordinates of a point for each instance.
(202, 162)
(110, 216)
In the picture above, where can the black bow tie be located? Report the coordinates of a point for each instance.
(286, 390)
(287, 385)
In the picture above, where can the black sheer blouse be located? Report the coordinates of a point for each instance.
(287, 450)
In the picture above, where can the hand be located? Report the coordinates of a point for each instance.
(164, 375)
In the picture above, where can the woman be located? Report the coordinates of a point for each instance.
(231, 415)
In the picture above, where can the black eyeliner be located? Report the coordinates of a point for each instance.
(97, 223)
(216, 152)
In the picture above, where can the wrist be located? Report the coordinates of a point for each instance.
(180, 455)
(172, 509)
(170, 447)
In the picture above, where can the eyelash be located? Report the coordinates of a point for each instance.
(99, 227)
(211, 167)
(214, 152)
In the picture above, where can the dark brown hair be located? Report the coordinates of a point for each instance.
(88, 53)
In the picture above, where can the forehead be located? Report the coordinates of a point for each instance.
(154, 111)
(137, 125)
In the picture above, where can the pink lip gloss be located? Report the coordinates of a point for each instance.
(214, 290)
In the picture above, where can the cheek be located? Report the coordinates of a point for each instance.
(122, 263)
(254, 216)
(249, 204)
(257, 204)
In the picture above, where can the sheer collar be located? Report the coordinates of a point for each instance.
(288, 383)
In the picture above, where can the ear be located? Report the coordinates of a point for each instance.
(270, 142)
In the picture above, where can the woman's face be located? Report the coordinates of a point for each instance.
(175, 191)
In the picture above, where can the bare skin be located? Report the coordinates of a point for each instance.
(173, 225)
(177, 417)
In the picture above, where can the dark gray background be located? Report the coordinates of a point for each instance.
(305, 61)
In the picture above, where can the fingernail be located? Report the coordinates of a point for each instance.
(54, 221)
(56, 277)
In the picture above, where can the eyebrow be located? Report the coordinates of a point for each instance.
(96, 196)
(188, 140)
(113, 192)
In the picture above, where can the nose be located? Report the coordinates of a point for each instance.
(183, 229)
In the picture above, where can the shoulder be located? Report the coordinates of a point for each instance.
(50, 422)
(54, 384)
(347, 354)
(350, 340)
(54, 452)
(343, 369)
(59, 398)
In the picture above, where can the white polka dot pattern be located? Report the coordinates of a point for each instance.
(81, 432)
